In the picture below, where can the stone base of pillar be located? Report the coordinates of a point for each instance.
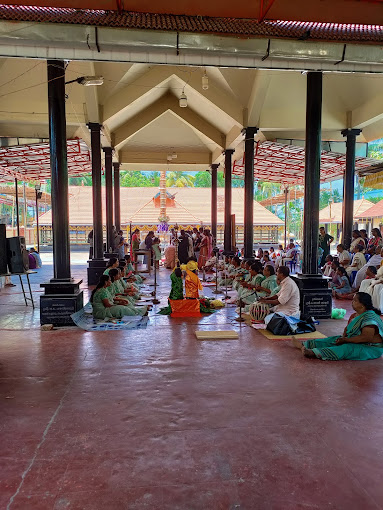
(96, 268)
(108, 255)
(60, 300)
(316, 297)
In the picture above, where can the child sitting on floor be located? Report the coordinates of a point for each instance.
(344, 286)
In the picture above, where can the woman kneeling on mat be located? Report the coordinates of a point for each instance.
(361, 340)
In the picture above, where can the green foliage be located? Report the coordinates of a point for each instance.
(375, 200)
(326, 196)
(203, 180)
(135, 179)
(375, 149)
(179, 180)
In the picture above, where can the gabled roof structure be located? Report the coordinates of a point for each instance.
(375, 211)
(32, 162)
(333, 213)
(277, 162)
(191, 206)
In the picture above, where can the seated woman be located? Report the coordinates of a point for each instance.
(327, 268)
(129, 271)
(103, 306)
(231, 271)
(247, 292)
(112, 263)
(117, 290)
(361, 340)
(268, 287)
(335, 280)
(344, 286)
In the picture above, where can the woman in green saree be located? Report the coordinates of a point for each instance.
(361, 340)
(268, 287)
(104, 306)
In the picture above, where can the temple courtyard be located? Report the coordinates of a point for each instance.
(155, 419)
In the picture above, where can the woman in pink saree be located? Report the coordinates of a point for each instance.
(206, 248)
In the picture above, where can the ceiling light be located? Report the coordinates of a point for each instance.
(183, 100)
(205, 81)
(88, 81)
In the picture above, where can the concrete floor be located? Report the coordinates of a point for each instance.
(154, 419)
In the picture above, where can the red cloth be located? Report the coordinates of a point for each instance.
(185, 308)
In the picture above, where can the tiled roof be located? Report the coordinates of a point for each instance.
(199, 24)
(376, 211)
(192, 206)
(335, 215)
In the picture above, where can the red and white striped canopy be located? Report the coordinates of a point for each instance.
(32, 162)
(285, 164)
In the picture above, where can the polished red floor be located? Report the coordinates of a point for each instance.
(155, 419)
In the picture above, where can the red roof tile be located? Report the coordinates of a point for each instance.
(200, 24)
(376, 211)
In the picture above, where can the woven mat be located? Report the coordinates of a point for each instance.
(303, 336)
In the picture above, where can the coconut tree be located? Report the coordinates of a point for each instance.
(179, 180)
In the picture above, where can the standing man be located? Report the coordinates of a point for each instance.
(324, 242)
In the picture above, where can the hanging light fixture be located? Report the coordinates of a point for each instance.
(205, 81)
(183, 100)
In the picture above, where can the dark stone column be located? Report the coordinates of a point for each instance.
(117, 206)
(227, 225)
(312, 172)
(62, 296)
(348, 186)
(17, 208)
(109, 198)
(59, 169)
(316, 300)
(249, 133)
(98, 238)
(214, 168)
(97, 264)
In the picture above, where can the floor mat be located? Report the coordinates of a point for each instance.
(304, 336)
(85, 320)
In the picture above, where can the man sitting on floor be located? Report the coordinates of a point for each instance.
(285, 302)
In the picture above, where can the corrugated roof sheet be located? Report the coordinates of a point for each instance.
(192, 206)
(199, 24)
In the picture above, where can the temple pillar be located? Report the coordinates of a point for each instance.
(249, 133)
(62, 295)
(227, 220)
(348, 186)
(109, 199)
(97, 264)
(214, 168)
(316, 299)
(117, 202)
(313, 149)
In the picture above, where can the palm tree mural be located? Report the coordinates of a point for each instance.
(179, 180)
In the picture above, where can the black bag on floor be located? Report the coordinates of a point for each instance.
(305, 325)
(279, 325)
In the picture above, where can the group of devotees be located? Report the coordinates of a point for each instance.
(262, 287)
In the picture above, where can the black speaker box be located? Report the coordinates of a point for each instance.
(18, 260)
(3, 249)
